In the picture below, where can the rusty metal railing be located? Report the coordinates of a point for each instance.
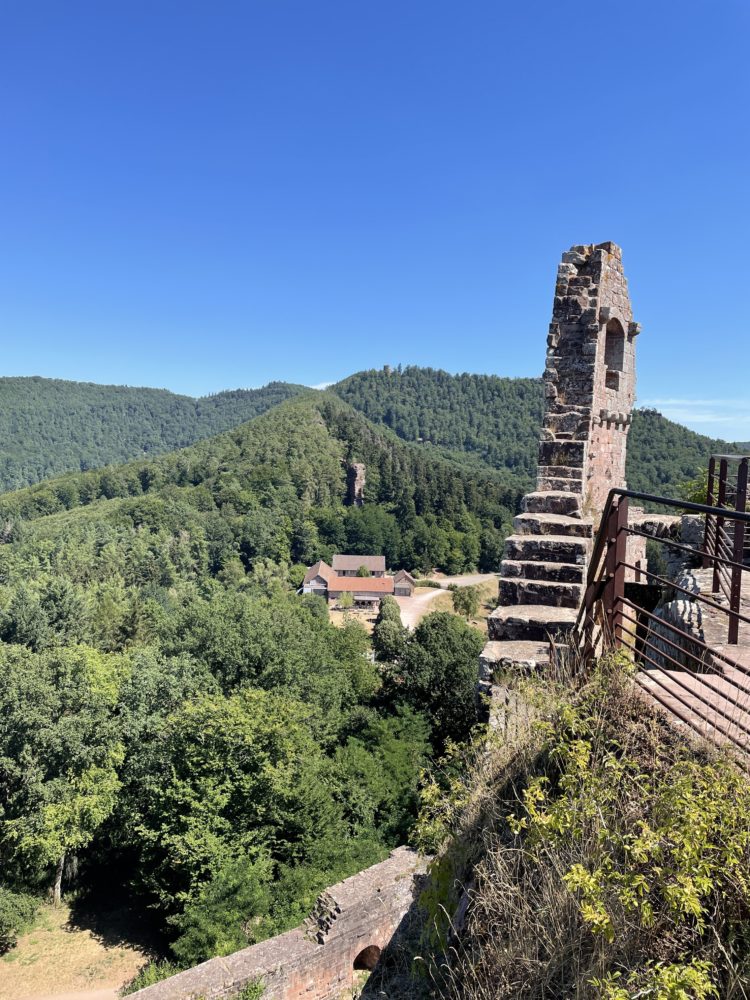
(727, 491)
(698, 672)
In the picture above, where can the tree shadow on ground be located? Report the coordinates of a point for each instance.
(114, 922)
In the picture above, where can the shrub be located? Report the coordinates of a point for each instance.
(17, 911)
(149, 975)
(608, 859)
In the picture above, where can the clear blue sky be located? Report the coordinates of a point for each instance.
(206, 195)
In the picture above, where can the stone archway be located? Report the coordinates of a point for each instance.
(367, 958)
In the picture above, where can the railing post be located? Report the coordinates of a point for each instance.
(614, 590)
(707, 535)
(735, 590)
(719, 523)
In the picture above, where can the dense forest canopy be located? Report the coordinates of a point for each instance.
(49, 426)
(283, 477)
(176, 721)
(493, 419)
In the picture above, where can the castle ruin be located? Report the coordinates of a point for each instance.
(589, 390)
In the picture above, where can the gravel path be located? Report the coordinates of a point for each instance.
(413, 609)
(107, 994)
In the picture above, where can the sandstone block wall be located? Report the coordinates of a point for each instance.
(351, 922)
(589, 375)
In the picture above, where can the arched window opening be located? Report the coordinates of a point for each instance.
(367, 958)
(614, 353)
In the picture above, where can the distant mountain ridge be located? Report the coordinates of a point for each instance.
(51, 426)
(496, 421)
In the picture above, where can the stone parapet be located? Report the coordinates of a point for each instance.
(349, 925)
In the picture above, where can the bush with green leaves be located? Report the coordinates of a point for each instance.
(17, 911)
(608, 859)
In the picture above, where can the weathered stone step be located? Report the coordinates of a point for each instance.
(520, 657)
(553, 524)
(554, 572)
(530, 622)
(561, 471)
(551, 483)
(552, 502)
(567, 423)
(547, 548)
(562, 453)
(560, 595)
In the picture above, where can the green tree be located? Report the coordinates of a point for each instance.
(465, 601)
(227, 913)
(61, 753)
(389, 640)
(438, 675)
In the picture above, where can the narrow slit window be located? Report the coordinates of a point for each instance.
(614, 353)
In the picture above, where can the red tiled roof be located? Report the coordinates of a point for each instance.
(361, 584)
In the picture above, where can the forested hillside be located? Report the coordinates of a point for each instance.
(493, 419)
(49, 426)
(176, 722)
(496, 421)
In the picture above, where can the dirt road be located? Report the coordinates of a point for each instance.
(414, 608)
(108, 994)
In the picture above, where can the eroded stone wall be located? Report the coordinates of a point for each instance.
(349, 925)
(589, 376)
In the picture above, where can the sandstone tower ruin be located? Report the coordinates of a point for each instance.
(590, 389)
(589, 377)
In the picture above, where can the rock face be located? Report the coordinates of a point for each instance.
(589, 390)
(355, 484)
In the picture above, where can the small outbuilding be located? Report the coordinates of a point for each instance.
(317, 578)
(403, 584)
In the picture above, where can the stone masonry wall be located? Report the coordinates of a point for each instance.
(350, 923)
(589, 375)
(589, 388)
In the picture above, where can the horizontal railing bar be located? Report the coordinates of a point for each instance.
(712, 672)
(695, 710)
(683, 505)
(725, 713)
(659, 652)
(686, 548)
(698, 642)
(663, 638)
(706, 732)
(690, 594)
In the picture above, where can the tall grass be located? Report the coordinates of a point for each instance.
(594, 854)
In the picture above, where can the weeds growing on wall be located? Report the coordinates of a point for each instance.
(598, 857)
